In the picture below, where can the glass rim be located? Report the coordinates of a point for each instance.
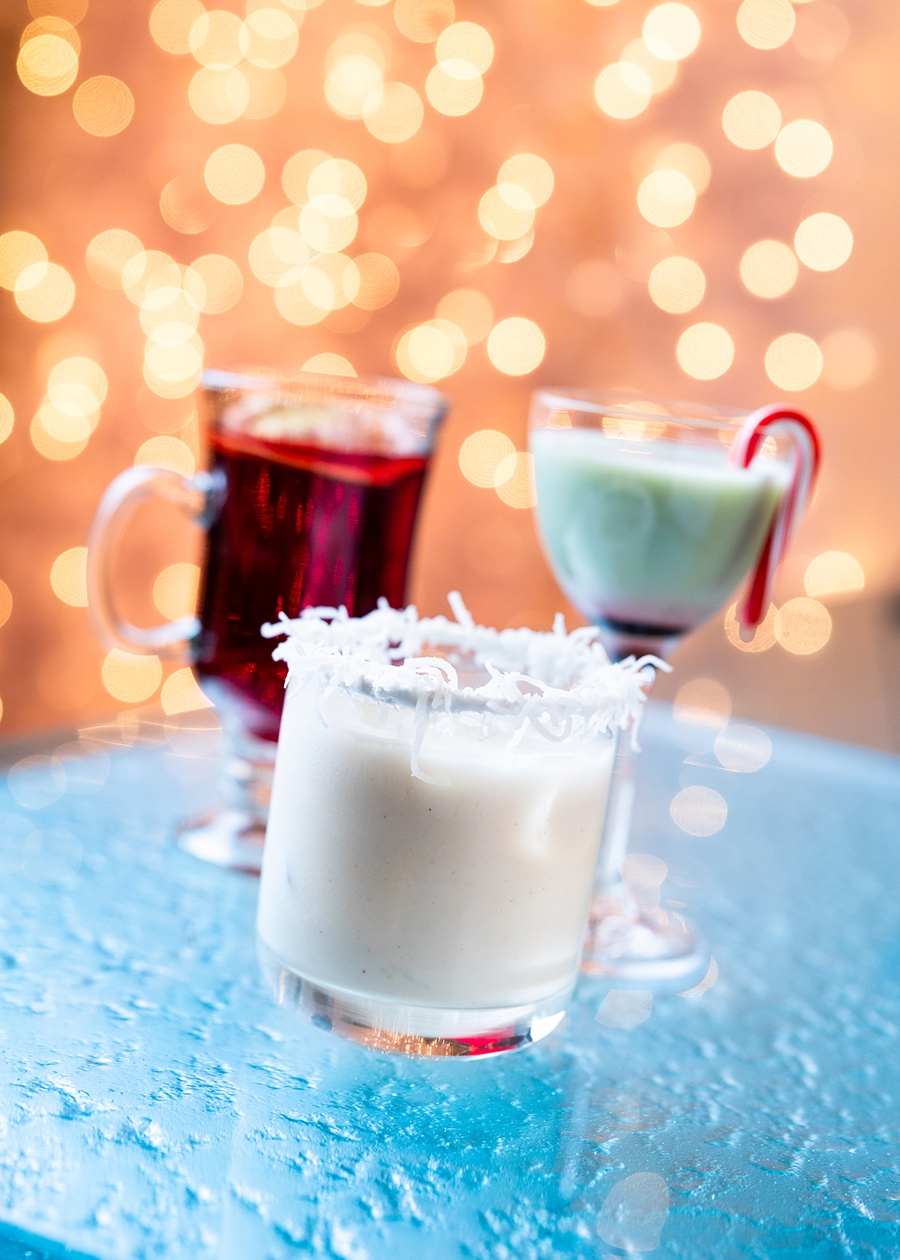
(636, 405)
(292, 384)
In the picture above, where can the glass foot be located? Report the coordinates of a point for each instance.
(232, 838)
(400, 1028)
(626, 943)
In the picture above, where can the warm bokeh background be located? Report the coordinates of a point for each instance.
(697, 199)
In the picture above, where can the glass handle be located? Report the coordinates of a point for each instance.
(198, 496)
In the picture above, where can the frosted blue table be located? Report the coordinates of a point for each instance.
(154, 1102)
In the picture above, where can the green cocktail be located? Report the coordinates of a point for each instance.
(649, 538)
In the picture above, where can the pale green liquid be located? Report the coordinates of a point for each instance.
(657, 534)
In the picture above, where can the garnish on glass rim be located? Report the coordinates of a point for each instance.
(759, 425)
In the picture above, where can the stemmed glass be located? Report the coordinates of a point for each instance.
(651, 514)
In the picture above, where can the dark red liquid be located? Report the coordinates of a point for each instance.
(298, 526)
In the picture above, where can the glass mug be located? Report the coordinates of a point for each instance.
(310, 499)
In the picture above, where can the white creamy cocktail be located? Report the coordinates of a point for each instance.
(437, 807)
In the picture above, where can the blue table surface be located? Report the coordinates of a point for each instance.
(155, 1102)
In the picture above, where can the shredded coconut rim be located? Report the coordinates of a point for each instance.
(559, 683)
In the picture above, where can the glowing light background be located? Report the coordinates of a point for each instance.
(699, 199)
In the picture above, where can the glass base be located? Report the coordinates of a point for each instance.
(232, 838)
(401, 1028)
(626, 943)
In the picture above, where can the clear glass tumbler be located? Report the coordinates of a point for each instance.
(436, 811)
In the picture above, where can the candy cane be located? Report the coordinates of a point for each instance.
(807, 456)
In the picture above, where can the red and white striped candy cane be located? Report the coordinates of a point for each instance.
(807, 457)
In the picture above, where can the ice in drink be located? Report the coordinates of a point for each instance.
(650, 535)
(436, 813)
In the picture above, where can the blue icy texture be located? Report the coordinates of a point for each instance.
(154, 1102)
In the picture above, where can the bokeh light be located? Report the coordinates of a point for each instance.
(466, 41)
(379, 280)
(166, 452)
(833, 573)
(393, 112)
(677, 284)
(44, 292)
(803, 626)
(330, 364)
(751, 120)
(699, 810)
(234, 174)
(430, 351)
(823, 241)
(6, 603)
(7, 417)
(623, 90)
(671, 31)
(514, 481)
(704, 701)
(506, 211)
(129, 677)
(423, 20)
(175, 590)
(762, 638)
(528, 171)
(454, 87)
(690, 160)
(103, 105)
(19, 250)
(470, 310)
(769, 269)
(660, 73)
(766, 23)
(47, 64)
(109, 253)
(516, 346)
(481, 455)
(705, 351)
(666, 198)
(850, 358)
(743, 748)
(181, 693)
(219, 94)
(793, 361)
(68, 577)
(171, 23)
(803, 148)
(270, 38)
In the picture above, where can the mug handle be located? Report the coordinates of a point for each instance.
(199, 496)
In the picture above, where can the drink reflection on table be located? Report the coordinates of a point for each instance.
(311, 499)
